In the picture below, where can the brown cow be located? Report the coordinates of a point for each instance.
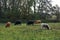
(37, 21)
(8, 24)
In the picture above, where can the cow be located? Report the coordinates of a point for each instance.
(45, 26)
(8, 24)
(37, 21)
(17, 22)
(30, 22)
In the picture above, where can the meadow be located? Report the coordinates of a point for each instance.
(29, 32)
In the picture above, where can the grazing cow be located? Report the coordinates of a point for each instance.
(30, 22)
(37, 21)
(17, 22)
(8, 24)
(45, 26)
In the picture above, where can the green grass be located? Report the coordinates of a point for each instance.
(31, 32)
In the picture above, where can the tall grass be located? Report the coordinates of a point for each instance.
(29, 32)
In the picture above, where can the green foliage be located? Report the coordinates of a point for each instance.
(11, 10)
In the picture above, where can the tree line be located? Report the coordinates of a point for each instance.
(12, 10)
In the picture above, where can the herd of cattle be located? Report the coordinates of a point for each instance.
(29, 22)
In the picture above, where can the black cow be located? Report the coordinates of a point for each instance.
(17, 22)
(30, 22)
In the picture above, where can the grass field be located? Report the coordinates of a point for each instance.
(31, 32)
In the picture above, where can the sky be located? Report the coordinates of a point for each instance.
(54, 2)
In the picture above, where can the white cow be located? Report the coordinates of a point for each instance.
(45, 26)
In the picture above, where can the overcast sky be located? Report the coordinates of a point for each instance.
(54, 2)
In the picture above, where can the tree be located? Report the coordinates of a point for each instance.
(56, 11)
(43, 8)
